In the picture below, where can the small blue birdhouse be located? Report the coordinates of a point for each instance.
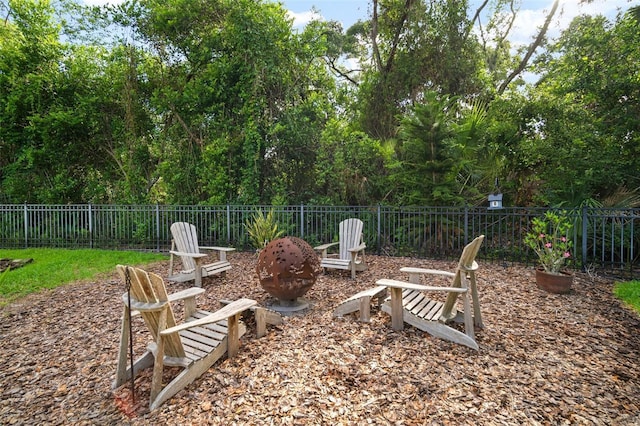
(495, 201)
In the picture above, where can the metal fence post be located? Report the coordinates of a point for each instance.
(378, 236)
(631, 246)
(302, 221)
(26, 227)
(585, 224)
(228, 224)
(466, 224)
(90, 211)
(157, 227)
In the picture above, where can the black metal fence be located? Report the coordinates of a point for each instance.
(604, 239)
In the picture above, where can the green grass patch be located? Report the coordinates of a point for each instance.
(55, 267)
(629, 293)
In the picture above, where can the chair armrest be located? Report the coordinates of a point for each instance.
(185, 294)
(188, 296)
(228, 311)
(142, 306)
(222, 251)
(474, 267)
(194, 255)
(411, 270)
(217, 248)
(419, 287)
(361, 247)
(325, 246)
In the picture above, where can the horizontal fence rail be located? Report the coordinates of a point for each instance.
(604, 239)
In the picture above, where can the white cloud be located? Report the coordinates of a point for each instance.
(529, 20)
(303, 18)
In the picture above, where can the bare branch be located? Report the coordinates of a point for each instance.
(476, 17)
(374, 36)
(536, 43)
(8, 8)
(501, 39)
(340, 72)
(396, 37)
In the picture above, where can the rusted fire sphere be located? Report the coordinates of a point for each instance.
(287, 268)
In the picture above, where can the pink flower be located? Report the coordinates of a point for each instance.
(541, 236)
(566, 254)
(563, 239)
(548, 245)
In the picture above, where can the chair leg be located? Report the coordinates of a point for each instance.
(173, 247)
(198, 273)
(156, 381)
(468, 319)
(477, 316)
(365, 308)
(233, 337)
(353, 266)
(121, 369)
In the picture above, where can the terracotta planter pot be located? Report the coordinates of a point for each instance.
(554, 283)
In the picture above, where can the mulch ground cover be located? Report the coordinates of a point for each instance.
(544, 359)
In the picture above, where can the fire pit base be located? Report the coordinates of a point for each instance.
(285, 306)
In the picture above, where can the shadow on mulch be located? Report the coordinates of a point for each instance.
(543, 358)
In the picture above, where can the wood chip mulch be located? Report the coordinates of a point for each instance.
(544, 359)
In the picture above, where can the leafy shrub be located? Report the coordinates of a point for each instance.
(262, 229)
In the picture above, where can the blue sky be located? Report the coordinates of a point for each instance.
(530, 17)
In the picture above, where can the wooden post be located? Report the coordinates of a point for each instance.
(397, 316)
(233, 338)
(198, 272)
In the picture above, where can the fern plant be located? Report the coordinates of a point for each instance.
(262, 229)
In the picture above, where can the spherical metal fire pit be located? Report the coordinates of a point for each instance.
(287, 268)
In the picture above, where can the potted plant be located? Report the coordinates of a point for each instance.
(549, 239)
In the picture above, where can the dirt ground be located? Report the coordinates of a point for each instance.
(544, 359)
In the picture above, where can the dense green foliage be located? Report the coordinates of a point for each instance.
(210, 102)
(51, 268)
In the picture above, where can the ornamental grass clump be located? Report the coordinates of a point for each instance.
(549, 238)
(262, 229)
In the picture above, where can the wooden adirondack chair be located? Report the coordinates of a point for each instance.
(185, 245)
(351, 247)
(410, 303)
(194, 345)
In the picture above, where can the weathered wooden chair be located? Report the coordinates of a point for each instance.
(351, 247)
(410, 303)
(194, 345)
(185, 245)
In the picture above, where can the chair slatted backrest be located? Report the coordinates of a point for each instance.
(185, 237)
(466, 263)
(149, 288)
(350, 233)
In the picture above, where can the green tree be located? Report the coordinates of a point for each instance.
(416, 46)
(47, 147)
(437, 152)
(239, 99)
(350, 168)
(581, 134)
